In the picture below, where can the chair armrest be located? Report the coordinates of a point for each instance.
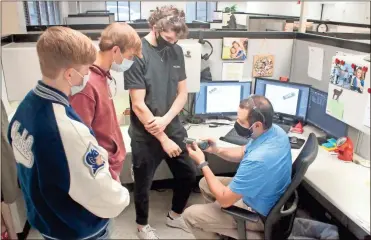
(241, 214)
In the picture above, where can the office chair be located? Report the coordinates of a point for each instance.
(278, 223)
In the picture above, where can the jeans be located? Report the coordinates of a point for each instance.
(146, 157)
(103, 234)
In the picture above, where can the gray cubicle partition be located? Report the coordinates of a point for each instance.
(291, 60)
(299, 73)
(282, 56)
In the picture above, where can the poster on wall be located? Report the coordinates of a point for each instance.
(335, 103)
(234, 49)
(232, 71)
(263, 66)
(348, 75)
(348, 98)
(315, 63)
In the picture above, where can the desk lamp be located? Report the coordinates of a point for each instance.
(344, 148)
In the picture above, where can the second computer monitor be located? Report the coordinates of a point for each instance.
(220, 98)
(287, 98)
(318, 117)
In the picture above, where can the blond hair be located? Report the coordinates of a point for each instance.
(62, 48)
(169, 18)
(121, 35)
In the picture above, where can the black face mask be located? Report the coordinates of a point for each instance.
(162, 43)
(242, 131)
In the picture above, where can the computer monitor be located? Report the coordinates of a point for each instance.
(220, 98)
(288, 99)
(318, 117)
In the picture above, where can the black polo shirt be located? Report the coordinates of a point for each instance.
(159, 73)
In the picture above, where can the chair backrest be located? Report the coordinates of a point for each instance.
(278, 224)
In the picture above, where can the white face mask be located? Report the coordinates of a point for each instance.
(79, 88)
(125, 65)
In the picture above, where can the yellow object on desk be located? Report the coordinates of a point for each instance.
(329, 149)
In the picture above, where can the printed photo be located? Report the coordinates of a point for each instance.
(348, 75)
(263, 66)
(235, 49)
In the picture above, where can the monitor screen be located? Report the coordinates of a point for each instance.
(286, 98)
(318, 117)
(220, 97)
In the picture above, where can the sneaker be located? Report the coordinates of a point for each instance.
(177, 223)
(147, 232)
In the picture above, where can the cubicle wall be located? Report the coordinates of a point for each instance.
(299, 74)
(255, 46)
(291, 60)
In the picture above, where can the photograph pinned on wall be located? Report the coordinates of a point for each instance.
(263, 66)
(235, 49)
(348, 75)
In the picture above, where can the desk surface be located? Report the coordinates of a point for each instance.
(345, 185)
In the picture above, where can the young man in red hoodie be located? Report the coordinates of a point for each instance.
(119, 43)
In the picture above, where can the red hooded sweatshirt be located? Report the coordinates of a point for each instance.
(96, 109)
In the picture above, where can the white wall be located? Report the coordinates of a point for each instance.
(240, 6)
(64, 11)
(13, 20)
(291, 8)
(86, 6)
(352, 12)
(148, 6)
(72, 8)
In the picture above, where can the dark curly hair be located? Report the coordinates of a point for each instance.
(169, 18)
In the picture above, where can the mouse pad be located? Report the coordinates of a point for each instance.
(297, 145)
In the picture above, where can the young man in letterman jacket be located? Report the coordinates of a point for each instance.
(63, 172)
(118, 44)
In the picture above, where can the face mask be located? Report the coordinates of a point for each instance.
(242, 131)
(125, 65)
(162, 43)
(79, 88)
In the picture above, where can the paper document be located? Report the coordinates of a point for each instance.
(315, 63)
(366, 119)
(232, 71)
(223, 99)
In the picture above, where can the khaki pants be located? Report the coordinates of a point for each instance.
(207, 221)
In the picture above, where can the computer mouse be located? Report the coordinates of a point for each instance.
(293, 140)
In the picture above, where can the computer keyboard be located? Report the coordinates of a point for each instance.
(234, 138)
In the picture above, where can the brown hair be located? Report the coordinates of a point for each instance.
(169, 18)
(61, 48)
(121, 35)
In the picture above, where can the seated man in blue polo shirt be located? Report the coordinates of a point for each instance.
(262, 177)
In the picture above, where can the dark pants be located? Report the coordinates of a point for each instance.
(146, 157)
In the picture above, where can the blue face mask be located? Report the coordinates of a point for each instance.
(125, 65)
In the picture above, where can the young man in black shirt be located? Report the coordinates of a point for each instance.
(158, 92)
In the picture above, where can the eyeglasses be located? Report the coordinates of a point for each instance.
(112, 86)
(255, 108)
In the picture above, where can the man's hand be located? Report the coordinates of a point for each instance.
(212, 146)
(157, 125)
(171, 148)
(195, 153)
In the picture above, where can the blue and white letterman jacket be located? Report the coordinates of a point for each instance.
(63, 172)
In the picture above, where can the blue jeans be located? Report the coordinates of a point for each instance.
(103, 234)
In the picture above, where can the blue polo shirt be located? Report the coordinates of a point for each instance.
(265, 170)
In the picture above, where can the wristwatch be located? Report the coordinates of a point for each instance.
(203, 164)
